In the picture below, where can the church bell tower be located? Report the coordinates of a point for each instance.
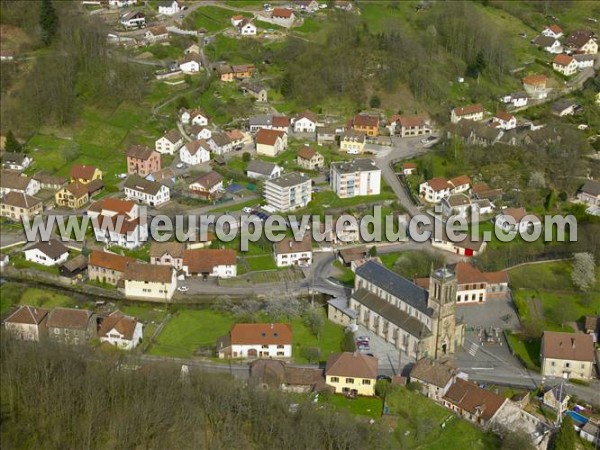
(442, 300)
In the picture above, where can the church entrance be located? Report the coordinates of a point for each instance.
(444, 348)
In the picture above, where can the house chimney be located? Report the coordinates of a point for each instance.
(271, 326)
(291, 243)
(573, 342)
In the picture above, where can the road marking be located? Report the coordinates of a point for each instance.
(473, 349)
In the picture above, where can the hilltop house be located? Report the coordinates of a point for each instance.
(169, 143)
(48, 253)
(156, 34)
(535, 86)
(288, 192)
(169, 7)
(235, 72)
(144, 191)
(590, 193)
(106, 267)
(553, 30)
(565, 64)
(71, 326)
(256, 340)
(263, 169)
(195, 152)
(289, 252)
(567, 355)
(283, 17)
(246, 28)
(142, 160)
(516, 99)
(133, 19)
(194, 117)
(120, 330)
(354, 178)
(84, 174)
(27, 323)
(366, 124)
(504, 121)
(270, 142)
(471, 112)
(149, 282)
(548, 44)
(210, 262)
(190, 63)
(17, 206)
(255, 89)
(352, 373)
(582, 41)
(167, 254)
(310, 159)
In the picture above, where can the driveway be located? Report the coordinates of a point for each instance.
(391, 361)
(495, 312)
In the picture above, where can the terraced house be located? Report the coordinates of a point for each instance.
(17, 206)
(365, 124)
(106, 267)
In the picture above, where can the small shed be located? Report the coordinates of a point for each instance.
(74, 268)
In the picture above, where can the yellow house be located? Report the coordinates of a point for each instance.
(567, 355)
(85, 174)
(352, 373)
(72, 196)
(352, 142)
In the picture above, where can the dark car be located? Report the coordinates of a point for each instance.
(383, 378)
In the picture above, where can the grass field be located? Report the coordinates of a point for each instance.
(12, 294)
(212, 18)
(262, 262)
(528, 351)
(420, 420)
(361, 406)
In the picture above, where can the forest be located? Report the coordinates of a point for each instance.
(67, 397)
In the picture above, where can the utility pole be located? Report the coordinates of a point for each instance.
(559, 414)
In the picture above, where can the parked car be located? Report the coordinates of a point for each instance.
(383, 377)
(247, 210)
(179, 165)
(183, 288)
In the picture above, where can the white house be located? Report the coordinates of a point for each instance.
(195, 152)
(289, 252)
(47, 253)
(220, 143)
(195, 117)
(548, 44)
(262, 169)
(148, 192)
(210, 262)
(517, 99)
(121, 3)
(355, 178)
(565, 64)
(288, 192)
(12, 181)
(200, 132)
(133, 19)
(120, 330)
(16, 161)
(457, 205)
(584, 60)
(270, 142)
(120, 230)
(156, 34)
(435, 190)
(505, 121)
(582, 41)
(149, 282)
(246, 28)
(256, 340)
(471, 112)
(169, 7)
(513, 220)
(553, 31)
(169, 143)
(207, 183)
(283, 16)
(306, 122)
(236, 20)
(190, 64)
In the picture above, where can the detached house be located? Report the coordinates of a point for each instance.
(366, 124)
(354, 178)
(47, 253)
(548, 44)
(504, 121)
(471, 112)
(283, 16)
(353, 142)
(535, 86)
(71, 326)
(220, 143)
(435, 190)
(14, 182)
(169, 143)
(18, 206)
(257, 90)
(148, 192)
(565, 64)
(512, 220)
(288, 192)
(325, 135)
(516, 99)
(567, 355)
(310, 159)
(121, 230)
(16, 161)
(246, 28)
(270, 142)
(305, 122)
(209, 262)
(289, 252)
(142, 160)
(168, 7)
(235, 72)
(148, 281)
(156, 34)
(73, 196)
(352, 373)
(582, 41)
(473, 403)
(27, 323)
(256, 340)
(584, 60)
(207, 184)
(120, 330)
(553, 31)
(190, 64)
(167, 254)
(590, 193)
(434, 377)
(47, 181)
(407, 126)
(106, 267)
(195, 152)
(195, 117)
(198, 132)
(84, 174)
(262, 169)
(133, 19)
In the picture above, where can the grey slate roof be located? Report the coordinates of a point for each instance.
(591, 187)
(289, 179)
(396, 285)
(261, 120)
(262, 167)
(391, 313)
(355, 165)
(137, 183)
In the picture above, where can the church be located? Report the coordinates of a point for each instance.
(421, 323)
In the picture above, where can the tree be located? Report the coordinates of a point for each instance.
(246, 157)
(565, 438)
(183, 102)
(583, 275)
(287, 85)
(11, 144)
(312, 354)
(516, 439)
(348, 344)
(373, 251)
(375, 101)
(48, 21)
(315, 323)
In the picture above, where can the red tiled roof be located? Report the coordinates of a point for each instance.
(109, 260)
(572, 346)
(204, 260)
(268, 137)
(280, 121)
(364, 120)
(148, 272)
(27, 315)
(348, 364)
(125, 325)
(82, 171)
(283, 13)
(535, 80)
(289, 245)
(467, 110)
(562, 59)
(306, 153)
(140, 152)
(261, 333)
(473, 399)
(503, 115)
(555, 29)
(460, 180)
(439, 184)
(412, 121)
(115, 205)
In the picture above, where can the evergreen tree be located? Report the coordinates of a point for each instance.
(375, 102)
(287, 85)
(11, 144)
(48, 21)
(565, 438)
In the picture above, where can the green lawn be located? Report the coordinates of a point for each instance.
(329, 342)
(189, 329)
(420, 420)
(264, 262)
(362, 406)
(346, 276)
(212, 18)
(164, 51)
(12, 294)
(528, 350)
(19, 262)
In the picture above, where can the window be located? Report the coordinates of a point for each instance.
(280, 346)
(366, 382)
(265, 346)
(349, 380)
(335, 379)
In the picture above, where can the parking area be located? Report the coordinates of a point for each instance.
(494, 313)
(389, 357)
